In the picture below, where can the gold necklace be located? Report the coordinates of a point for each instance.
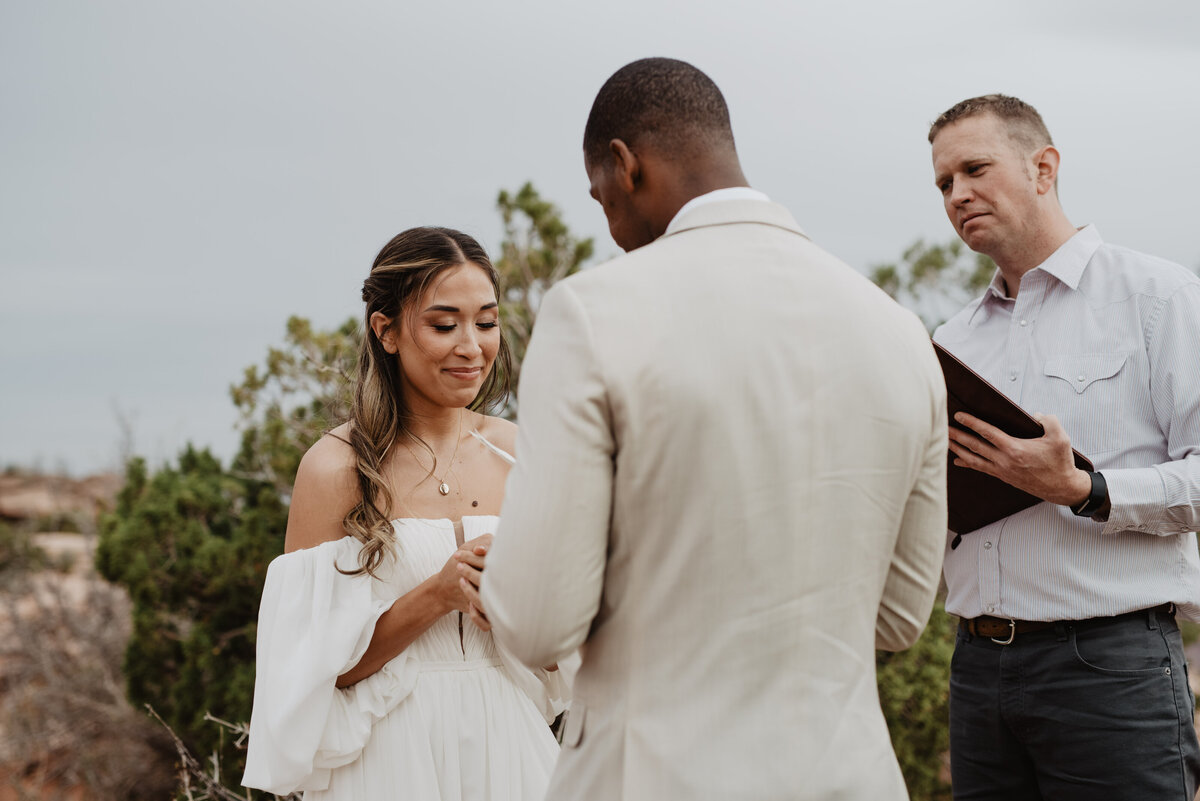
(443, 487)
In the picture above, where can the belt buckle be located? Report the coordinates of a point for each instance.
(1012, 634)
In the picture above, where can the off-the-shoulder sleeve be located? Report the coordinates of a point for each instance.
(314, 624)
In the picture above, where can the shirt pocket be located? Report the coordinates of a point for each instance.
(1085, 394)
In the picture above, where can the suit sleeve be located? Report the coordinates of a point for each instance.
(912, 579)
(542, 584)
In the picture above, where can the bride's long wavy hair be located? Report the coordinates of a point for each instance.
(380, 417)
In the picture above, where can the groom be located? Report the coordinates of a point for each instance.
(730, 480)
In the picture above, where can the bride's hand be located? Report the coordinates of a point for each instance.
(470, 571)
(471, 553)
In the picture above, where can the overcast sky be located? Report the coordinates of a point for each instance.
(176, 179)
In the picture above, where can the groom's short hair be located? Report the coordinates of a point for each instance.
(670, 104)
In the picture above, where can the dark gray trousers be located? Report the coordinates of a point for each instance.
(1077, 712)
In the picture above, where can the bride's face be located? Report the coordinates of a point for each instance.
(448, 338)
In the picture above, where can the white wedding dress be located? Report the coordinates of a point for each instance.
(451, 718)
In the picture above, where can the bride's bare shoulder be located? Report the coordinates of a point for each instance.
(498, 431)
(326, 489)
(330, 457)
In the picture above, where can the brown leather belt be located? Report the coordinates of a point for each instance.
(1004, 631)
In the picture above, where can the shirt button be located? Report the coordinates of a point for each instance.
(1013, 377)
(1024, 323)
(991, 608)
(1080, 378)
(987, 546)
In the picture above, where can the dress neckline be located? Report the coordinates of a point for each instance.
(503, 454)
(438, 519)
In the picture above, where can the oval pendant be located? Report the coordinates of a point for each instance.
(444, 488)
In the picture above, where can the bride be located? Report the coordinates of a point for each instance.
(374, 681)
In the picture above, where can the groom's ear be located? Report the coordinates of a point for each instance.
(626, 166)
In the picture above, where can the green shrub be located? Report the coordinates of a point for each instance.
(191, 545)
(914, 691)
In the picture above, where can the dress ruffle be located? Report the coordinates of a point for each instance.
(315, 624)
(550, 690)
(453, 716)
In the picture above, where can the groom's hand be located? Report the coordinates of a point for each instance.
(470, 570)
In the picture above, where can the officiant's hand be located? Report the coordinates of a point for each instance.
(1044, 467)
(470, 560)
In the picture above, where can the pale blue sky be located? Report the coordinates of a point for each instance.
(176, 179)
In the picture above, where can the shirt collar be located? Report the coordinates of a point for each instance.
(1066, 264)
(1071, 259)
(728, 193)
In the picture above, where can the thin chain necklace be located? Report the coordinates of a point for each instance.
(443, 487)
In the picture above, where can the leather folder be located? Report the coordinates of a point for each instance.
(977, 499)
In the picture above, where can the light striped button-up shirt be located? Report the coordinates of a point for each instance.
(1107, 340)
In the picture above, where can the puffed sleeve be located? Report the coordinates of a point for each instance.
(314, 624)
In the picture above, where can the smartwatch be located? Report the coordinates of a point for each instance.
(1095, 499)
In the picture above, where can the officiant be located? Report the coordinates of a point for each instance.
(1069, 679)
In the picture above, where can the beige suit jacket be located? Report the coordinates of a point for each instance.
(729, 490)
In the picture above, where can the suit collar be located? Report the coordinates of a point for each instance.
(729, 212)
(727, 193)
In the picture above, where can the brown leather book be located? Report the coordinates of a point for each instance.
(977, 499)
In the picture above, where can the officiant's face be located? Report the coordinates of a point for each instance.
(448, 339)
(990, 185)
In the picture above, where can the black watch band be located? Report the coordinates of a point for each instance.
(1095, 499)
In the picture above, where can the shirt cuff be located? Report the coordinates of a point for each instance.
(1137, 498)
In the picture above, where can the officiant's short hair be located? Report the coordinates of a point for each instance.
(1022, 121)
(667, 102)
